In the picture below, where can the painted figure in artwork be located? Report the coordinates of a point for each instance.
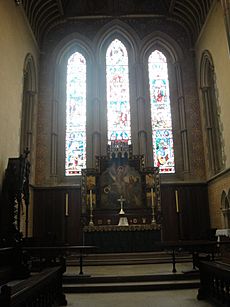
(120, 180)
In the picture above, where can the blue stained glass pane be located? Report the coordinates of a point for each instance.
(75, 158)
(163, 151)
(117, 77)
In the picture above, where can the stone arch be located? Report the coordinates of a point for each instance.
(162, 42)
(174, 54)
(115, 30)
(225, 209)
(66, 47)
(211, 114)
(206, 65)
(120, 30)
(29, 110)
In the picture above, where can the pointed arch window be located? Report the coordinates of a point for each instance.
(118, 105)
(75, 141)
(162, 137)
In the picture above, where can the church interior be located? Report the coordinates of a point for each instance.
(114, 131)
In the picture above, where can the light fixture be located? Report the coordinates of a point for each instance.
(18, 2)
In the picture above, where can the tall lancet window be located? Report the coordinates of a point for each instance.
(118, 107)
(75, 158)
(162, 137)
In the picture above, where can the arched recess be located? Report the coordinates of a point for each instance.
(28, 113)
(28, 134)
(213, 135)
(225, 209)
(174, 55)
(71, 44)
(116, 30)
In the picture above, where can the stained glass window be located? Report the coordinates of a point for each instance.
(75, 158)
(162, 137)
(118, 108)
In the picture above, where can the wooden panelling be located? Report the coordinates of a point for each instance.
(50, 220)
(192, 221)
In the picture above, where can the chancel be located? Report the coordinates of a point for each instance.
(114, 134)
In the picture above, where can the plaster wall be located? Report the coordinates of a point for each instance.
(214, 39)
(16, 41)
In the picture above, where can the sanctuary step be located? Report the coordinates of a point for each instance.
(131, 286)
(129, 258)
(123, 278)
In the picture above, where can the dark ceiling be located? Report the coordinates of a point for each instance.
(43, 15)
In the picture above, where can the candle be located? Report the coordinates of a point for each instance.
(66, 204)
(177, 204)
(91, 198)
(152, 197)
(153, 213)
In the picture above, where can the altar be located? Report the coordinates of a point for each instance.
(122, 239)
(121, 209)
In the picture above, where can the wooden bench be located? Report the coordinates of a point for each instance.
(215, 282)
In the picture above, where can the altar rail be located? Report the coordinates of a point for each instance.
(215, 282)
(199, 249)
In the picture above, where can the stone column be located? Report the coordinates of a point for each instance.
(182, 118)
(96, 136)
(141, 111)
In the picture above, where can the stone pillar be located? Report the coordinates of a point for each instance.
(141, 111)
(142, 141)
(96, 135)
(182, 118)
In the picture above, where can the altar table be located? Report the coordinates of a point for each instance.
(113, 238)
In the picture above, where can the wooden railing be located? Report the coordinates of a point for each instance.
(21, 288)
(215, 282)
(43, 289)
(197, 248)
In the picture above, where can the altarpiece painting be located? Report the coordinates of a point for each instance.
(121, 179)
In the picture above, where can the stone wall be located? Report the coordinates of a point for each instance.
(215, 188)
